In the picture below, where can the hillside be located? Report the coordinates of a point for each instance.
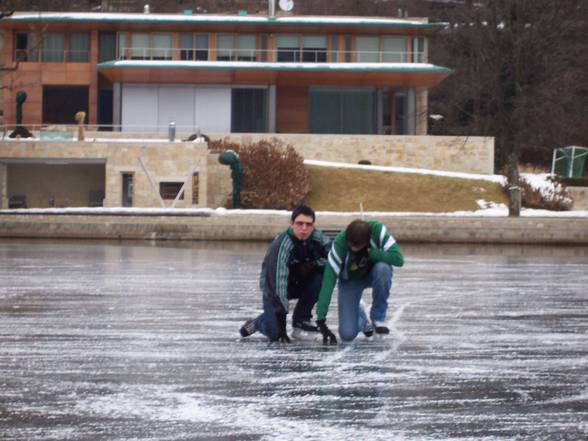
(344, 189)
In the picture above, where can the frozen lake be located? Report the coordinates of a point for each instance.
(139, 341)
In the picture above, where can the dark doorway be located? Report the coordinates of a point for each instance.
(61, 103)
(249, 109)
(105, 100)
(127, 189)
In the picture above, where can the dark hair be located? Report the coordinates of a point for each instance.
(302, 209)
(358, 233)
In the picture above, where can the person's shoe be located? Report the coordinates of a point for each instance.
(381, 328)
(248, 328)
(368, 329)
(305, 331)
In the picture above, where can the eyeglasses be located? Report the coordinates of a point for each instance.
(303, 224)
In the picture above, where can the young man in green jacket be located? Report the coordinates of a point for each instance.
(362, 256)
(292, 269)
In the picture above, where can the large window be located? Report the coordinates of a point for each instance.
(368, 49)
(194, 47)
(106, 46)
(418, 50)
(405, 112)
(27, 47)
(139, 46)
(235, 48)
(394, 50)
(308, 48)
(351, 111)
(53, 47)
(79, 47)
(61, 103)
(314, 49)
(249, 110)
(143, 46)
(288, 48)
(161, 46)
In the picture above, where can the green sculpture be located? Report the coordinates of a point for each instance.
(20, 131)
(21, 97)
(230, 158)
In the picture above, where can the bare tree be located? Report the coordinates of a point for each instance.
(520, 76)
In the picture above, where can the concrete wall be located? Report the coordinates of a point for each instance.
(448, 153)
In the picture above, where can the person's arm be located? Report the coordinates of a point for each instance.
(324, 246)
(384, 247)
(335, 262)
(282, 271)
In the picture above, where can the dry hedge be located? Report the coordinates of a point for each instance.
(274, 176)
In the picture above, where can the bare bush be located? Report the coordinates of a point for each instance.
(274, 176)
(552, 196)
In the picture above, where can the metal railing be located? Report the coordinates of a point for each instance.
(284, 55)
(69, 132)
(302, 55)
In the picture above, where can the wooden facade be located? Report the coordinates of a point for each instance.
(292, 81)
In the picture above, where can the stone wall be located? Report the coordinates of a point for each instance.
(173, 162)
(447, 153)
(251, 225)
(163, 162)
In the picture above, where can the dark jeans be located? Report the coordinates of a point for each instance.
(307, 295)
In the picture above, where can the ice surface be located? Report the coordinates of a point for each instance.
(128, 341)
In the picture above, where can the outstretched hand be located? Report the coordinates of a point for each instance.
(282, 334)
(328, 337)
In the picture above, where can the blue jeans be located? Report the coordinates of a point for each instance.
(352, 318)
(307, 295)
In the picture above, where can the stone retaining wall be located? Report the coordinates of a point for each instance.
(263, 226)
(473, 154)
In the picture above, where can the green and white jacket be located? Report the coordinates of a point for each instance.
(341, 262)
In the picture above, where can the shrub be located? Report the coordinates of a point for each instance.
(540, 191)
(220, 145)
(274, 176)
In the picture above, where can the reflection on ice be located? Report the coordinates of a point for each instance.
(140, 341)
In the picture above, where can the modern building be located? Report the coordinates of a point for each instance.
(220, 73)
(336, 88)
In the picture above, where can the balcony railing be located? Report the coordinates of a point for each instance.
(284, 55)
(304, 55)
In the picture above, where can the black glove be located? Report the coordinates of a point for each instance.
(328, 337)
(282, 334)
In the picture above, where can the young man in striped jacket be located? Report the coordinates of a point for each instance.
(362, 256)
(292, 269)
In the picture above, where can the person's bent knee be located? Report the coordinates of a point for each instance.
(382, 269)
(347, 334)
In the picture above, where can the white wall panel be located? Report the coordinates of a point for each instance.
(176, 103)
(213, 109)
(150, 108)
(139, 108)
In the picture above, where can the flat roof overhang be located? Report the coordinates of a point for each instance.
(225, 23)
(220, 72)
(53, 161)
